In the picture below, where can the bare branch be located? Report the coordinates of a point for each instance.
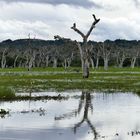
(96, 20)
(93, 25)
(77, 30)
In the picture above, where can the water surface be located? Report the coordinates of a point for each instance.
(81, 116)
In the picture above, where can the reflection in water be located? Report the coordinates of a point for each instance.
(34, 119)
(85, 105)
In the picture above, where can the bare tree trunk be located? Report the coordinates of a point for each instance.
(31, 61)
(121, 62)
(69, 62)
(55, 63)
(84, 50)
(133, 61)
(38, 62)
(105, 64)
(15, 61)
(20, 64)
(92, 63)
(134, 58)
(97, 63)
(3, 63)
(117, 61)
(85, 68)
(106, 51)
(47, 61)
(65, 64)
(30, 64)
(33, 65)
(3, 59)
(84, 60)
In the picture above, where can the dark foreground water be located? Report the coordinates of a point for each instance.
(80, 116)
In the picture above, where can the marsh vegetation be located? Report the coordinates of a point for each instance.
(20, 80)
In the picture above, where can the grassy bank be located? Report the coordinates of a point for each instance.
(6, 93)
(59, 79)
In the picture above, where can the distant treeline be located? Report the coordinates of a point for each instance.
(64, 53)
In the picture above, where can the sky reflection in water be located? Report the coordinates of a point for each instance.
(82, 116)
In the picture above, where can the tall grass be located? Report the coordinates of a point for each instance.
(6, 93)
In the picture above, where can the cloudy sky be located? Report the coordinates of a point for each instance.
(46, 18)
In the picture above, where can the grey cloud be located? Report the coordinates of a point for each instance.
(137, 3)
(109, 29)
(83, 3)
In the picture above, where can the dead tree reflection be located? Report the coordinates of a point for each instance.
(85, 105)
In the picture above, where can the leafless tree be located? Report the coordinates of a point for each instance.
(67, 56)
(16, 54)
(96, 54)
(55, 55)
(105, 53)
(65, 51)
(3, 57)
(84, 48)
(134, 54)
(121, 55)
(30, 55)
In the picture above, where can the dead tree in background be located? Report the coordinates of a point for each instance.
(3, 58)
(30, 55)
(105, 54)
(97, 55)
(16, 55)
(134, 54)
(122, 54)
(64, 54)
(84, 48)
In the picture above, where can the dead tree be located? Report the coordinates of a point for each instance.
(55, 55)
(84, 47)
(3, 58)
(106, 52)
(97, 56)
(30, 55)
(66, 51)
(134, 54)
(16, 54)
(121, 56)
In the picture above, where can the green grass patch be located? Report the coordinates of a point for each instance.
(39, 79)
(6, 93)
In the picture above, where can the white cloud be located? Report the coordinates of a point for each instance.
(119, 19)
(17, 29)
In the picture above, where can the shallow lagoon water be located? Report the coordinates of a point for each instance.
(82, 116)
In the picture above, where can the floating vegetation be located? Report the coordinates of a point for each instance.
(41, 111)
(3, 113)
